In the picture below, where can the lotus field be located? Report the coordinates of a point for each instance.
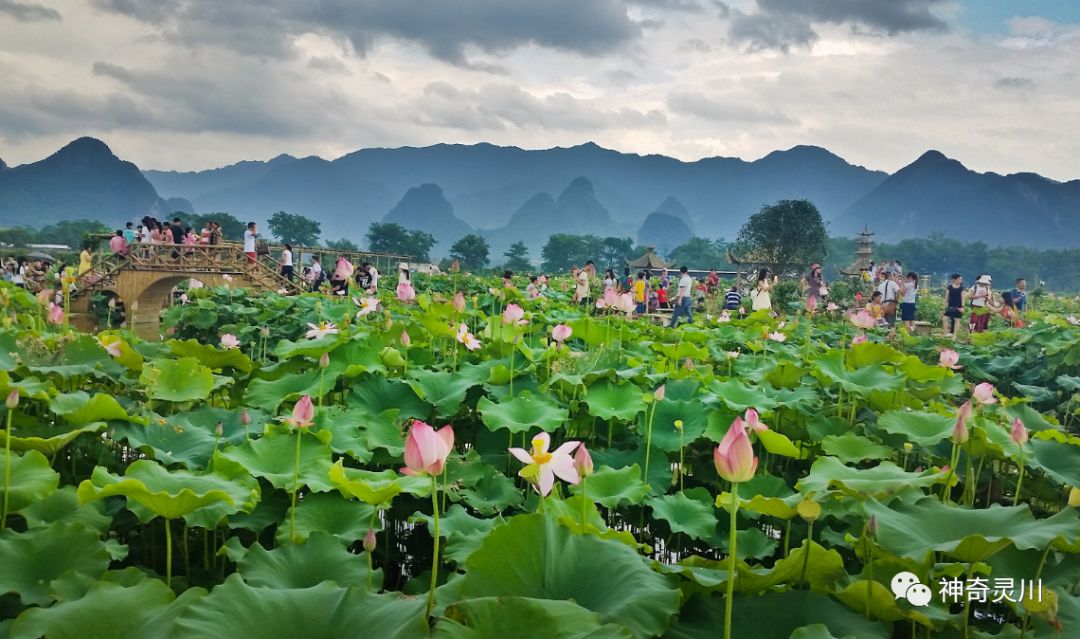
(474, 465)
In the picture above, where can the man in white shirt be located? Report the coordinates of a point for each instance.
(890, 291)
(249, 242)
(683, 301)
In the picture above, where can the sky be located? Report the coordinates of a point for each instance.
(196, 84)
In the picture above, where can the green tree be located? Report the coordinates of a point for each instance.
(294, 229)
(388, 237)
(72, 232)
(472, 251)
(517, 257)
(17, 236)
(701, 253)
(342, 245)
(564, 250)
(786, 237)
(231, 228)
(614, 250)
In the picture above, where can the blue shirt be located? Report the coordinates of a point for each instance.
(129, 235)
(1019, 299)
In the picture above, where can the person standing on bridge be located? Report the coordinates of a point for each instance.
(286, 262)
(249, 242)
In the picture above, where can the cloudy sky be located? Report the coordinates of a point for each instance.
(191, 84)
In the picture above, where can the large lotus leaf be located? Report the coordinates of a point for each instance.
(915, 530)
(493, 493)
(382, 431)
(685, 514)
(883, 604)
(341, 430)
(861, 381)
(486, 617)
(8, 351)
(79, 357)
(321, 558)
(268, 394)
(445, 390)
(756, 617)
(867, 353)
(823, 569)
(1037, 394)
(345, 519)
(850, 447)
(377, 394)
(739, 396)
(213, 357)
(1058, 460)
(32, 559)
(369, 492)
(804, 399)
(325, 611)
(463, 532)
(187, 437)
(32, 479)
(884, 480)
(31, 387)
(213, 515)
(608, 400)
(64, 506)
(1033, 419)
(273, 458)
(108, 611)
(169, 494)
(611, 487)
(46, 439)
(522, 413)
(665, 437)
(128, 358)
(778, 444)
(533, 556)
(79, 408)
(918, 427)
(271, 509)
(177, 380)
(816, 631)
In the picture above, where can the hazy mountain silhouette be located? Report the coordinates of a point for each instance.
(663, 231)
(424, 207)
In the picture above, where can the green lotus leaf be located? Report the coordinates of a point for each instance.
(271, 510)
(491, 616)
(245, 490)
(751, 543)
(1068, 382)
(779, 444)
(63, 506)
(211, 356)
(45, 439)
(611, 487)
(444, 390)
(377, 395)
(523, 413)
(235, 609)
(31, 560)
(684, 514)
(964, 534)
(1033, 419)
(8, 351)
(268, 394)
(1059, 461)
(345, 519)
(608, 400)
(918, 427)
(32, 479)
(273, 458)
(1037, 394)
(169, 494)
(823, 569)
(850, 447)
(739, 396)
(816, 631)
(883, 606)
(187, 437)
(80, 408)
(756, 617)
(30, 387)
(366, 491)
(463, 532)
(884, 480)
(861, 381)
(665, 437)
(321, 558)
(80, 357)
(108, 611)
(533, 556)
(869, 353)
(177, 380)
(493, 493)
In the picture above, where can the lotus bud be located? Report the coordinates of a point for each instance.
(960, 433)
(583, 461)
(984, 393)
(13, 399)
(219, 430)
(658, 394)
(1074, 497)
(245, 418)
(324, 360)
(964, 412)
(112, 302)
(871, 526)
(688, 364)
(908, 447)
(266, 331)
(1019, 434)
(405, 339)
(459, 301)
(809, 510)
(734, 458)
(678, 425)
(369, 540)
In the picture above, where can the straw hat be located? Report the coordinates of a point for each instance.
(403, 266)
(985, 279)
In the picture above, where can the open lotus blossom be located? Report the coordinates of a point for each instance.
(948, 358)
(608, 300)
(228, 340)
(344, 269)
(303, 413)
(781, 325)
(583, 462)
(514, 314)
(753, 421)
(322, 329)
(367, 305)
(858, 339)
(561, 332)
(541, 466)
(112, 347)
(731, 354)
(734, 457)
(778, 337)
(283, 291)
(960, 433)
(984, 393)
(832, 307)
(467, 338)
(426, 449)
(183, 298)
(742, 310)
(56, 313)
(625, 303)
(724, 317)
(1074, 320)
(1018, 433)
(459, 301)
(863, 320)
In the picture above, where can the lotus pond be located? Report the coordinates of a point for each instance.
(469, 466)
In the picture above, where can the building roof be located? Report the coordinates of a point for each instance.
(649, 260)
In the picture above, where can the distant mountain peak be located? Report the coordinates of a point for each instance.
(580, 186)
(85, 147)
(672, 206)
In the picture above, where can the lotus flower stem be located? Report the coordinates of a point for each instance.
(7, 469)
(584, 504)
(806, 556)
(732, 540)
(948, 478)
(787, 538)
(1019, 480)
(295, 487)
(1038, 580)
(435, 546)
(168, 553)
(648, 441)
(682, 449)
(869, 556)
(513, 347)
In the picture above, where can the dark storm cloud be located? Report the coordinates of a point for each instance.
(445, 29)
(702, 106)
(28, 11)
(671, 5)
(1014, 82)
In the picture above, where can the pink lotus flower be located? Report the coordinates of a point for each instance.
(753, 422)
(324, 360)
(960, 433)
(734, 457)
(459, 301)
(228, 340)
(56, 314)
(561, 332)
(265, 331)
(626, 303)
(369, 541)
(426, 449)
(303, 413)
(367, 306)
(778, 337)
(1074, 320)
(1019, 434)
(659, 393)
(858, 339)
(405, 339)
(948, 358)
(731, 354)
(344, 269)
(541, 467)
(984, 393)
(112, 347)
(688, 364)
(811, 303)
(514, 314)
(863, 319)
(12, 401)
(321, 330)
(609, 300)
(467, 338)
(964, 412)
(832, 307)
(583, 462)
(245, 418)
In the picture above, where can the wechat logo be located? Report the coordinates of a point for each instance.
(906, 585)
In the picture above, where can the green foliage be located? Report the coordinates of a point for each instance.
(73, 232)
(472, 251)
(290, 228)
(388, 237)
(786, 236)
(344, 244)
(231, 227)
(701, 253)
(564, 250)
(517, 258)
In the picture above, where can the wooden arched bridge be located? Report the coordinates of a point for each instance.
(142, 282)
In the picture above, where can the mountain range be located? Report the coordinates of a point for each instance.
(509, 194)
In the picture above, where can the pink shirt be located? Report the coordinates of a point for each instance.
(118, 245)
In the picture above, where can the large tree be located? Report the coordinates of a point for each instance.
(73, 232)
(786, 237)
(615, 250)
(472, 251)
(517, 257)
(231, 228)
(700, 253)
(564, 250)
(342, 245)
(395, 239)
(290, 228)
